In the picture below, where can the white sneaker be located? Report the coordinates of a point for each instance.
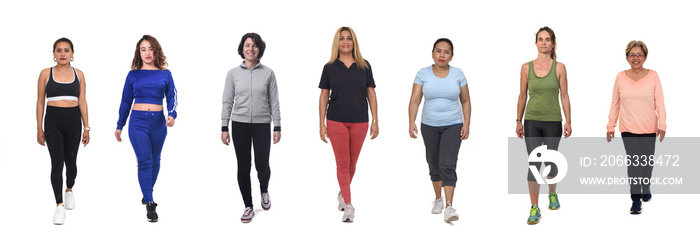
(349, 214)
(69, 200)
(341, 202)
(451, 214)
(438, 205)
(248, 215)
(59, 217)
(265, 201)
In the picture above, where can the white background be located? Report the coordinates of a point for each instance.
(197, 192)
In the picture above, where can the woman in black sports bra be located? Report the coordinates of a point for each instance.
(62, 89)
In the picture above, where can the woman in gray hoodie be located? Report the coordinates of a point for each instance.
(250, 102)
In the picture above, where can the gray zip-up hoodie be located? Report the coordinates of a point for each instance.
(252, 93)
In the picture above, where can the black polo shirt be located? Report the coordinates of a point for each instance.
(348, 86)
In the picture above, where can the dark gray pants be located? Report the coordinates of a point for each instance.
(441, 150)
(639, 145)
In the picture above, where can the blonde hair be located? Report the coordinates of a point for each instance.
(636, 43)
(335, 51)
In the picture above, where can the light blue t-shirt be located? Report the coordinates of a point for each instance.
(442, 106)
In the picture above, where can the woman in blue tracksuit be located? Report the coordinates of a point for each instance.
(146, 85)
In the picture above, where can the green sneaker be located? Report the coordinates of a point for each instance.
(534, 215)
(553, 201)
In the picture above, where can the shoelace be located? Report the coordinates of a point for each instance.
(534, 211)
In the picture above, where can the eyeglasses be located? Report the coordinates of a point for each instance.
(639, 55)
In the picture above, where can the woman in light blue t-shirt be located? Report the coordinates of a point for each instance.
(444, 121)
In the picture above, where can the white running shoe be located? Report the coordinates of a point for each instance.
(266, 201)
(451, 214)
(59, 217)
(248, 215)
(438, 205)
(69, 200)
(349, 213)
(341, 202)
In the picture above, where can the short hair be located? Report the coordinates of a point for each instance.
(258, 42)
(159, 57)
(446, 40)
(552, 37)
(63, 40)
(636, 43)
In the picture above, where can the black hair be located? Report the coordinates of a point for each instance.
(448, 41)
(258, 42)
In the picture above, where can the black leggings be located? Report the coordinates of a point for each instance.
(538, 133)
(243, 135)
(62, 131)
(639, 145)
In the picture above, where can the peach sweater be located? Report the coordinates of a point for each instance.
(639, 105)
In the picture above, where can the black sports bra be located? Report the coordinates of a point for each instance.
(56, 91)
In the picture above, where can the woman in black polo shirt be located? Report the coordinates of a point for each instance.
(349, 77)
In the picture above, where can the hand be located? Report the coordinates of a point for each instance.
(225, 138)
(40, 138)
(567, 130)
(661, 134)
(610, 135)
(519, 130)
(276, 137)
(464, 133)
(324, 133)
(86, 137)
(374, 131)
(413, 130)
(118, 135)
(170, 121)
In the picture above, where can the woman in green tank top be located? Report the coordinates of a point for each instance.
(544, 80)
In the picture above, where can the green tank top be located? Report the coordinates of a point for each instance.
(543, 104)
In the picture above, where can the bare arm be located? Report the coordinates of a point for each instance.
(466, 110)
(322, 107)
(414, 103)
(564, 93)
(522, 99)
(82, 103)
(40, 102)
(372, 98)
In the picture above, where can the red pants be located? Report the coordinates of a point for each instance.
(346, 139)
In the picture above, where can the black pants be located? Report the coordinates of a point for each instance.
(62, 131)
(639, 145)
(441, 150)
(538, 133)
(243, 135)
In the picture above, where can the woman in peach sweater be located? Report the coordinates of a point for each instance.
(638, 100)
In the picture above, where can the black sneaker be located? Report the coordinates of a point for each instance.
(636, 207)
(151, 212)
(143, 201)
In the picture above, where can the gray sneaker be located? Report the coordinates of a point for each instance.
(341, 202)
(266, 201)
(248, 215)
(349, 213)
